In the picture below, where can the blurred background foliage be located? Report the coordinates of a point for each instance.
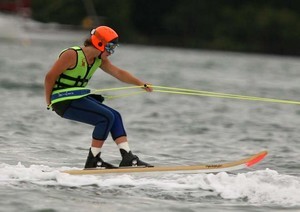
(268, 26)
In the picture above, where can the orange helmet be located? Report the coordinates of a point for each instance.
(102, 35)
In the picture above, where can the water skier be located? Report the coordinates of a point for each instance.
(74, 68)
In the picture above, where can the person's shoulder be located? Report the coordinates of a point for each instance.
(68, 53)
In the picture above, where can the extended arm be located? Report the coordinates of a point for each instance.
(122, 75)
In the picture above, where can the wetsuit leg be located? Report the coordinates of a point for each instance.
(117, 129)
(90, 111)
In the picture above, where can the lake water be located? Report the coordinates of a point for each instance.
(163, 129)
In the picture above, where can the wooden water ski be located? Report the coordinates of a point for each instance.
(205, 168)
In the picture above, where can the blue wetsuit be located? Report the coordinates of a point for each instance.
(91, 111)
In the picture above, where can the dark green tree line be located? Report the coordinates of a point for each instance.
(269, 26)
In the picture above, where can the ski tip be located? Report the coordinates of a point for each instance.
(257, 158)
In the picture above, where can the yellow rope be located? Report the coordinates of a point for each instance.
(122, 95)
(183, 91)
(220, 95)
(116, 89)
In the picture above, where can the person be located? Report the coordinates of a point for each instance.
(71, 72)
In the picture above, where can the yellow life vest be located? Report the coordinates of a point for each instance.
(78, 76)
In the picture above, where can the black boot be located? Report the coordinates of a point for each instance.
(97, 162)
(128, 159)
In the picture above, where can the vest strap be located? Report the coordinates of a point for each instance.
(78, 81)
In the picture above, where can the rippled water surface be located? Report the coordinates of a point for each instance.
(163, 129)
